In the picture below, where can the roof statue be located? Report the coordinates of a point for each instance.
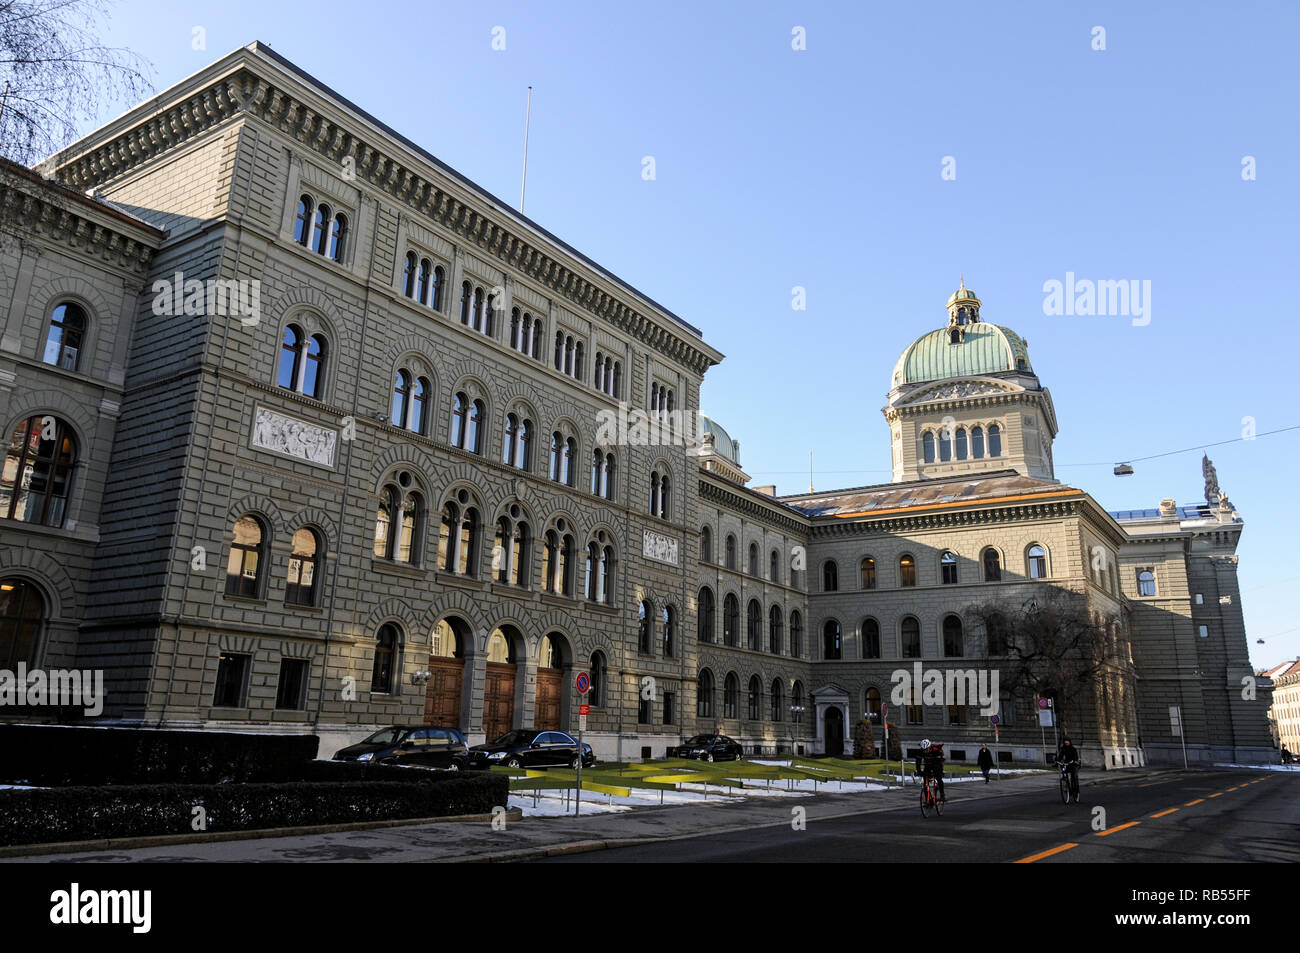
(1212, 495)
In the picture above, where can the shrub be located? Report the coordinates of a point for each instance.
(48, 755)
(864, 744)
(92, 813)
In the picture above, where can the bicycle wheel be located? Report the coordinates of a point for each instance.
(1074, 786)
(1065, 788)
(926, 803)
(938, 803)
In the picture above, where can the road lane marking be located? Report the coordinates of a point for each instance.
(1046, 853)
(1217, 794)
(1229, 789)
(1120, 828)
(1163, 813)
(1199, 800)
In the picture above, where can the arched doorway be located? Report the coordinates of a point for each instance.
(834, 732)
(499, 683)
(442, 696)
(549, 713)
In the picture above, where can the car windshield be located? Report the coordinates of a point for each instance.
(385, 736)
(700, 740)
(516, 737)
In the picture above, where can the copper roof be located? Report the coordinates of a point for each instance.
(997, 486)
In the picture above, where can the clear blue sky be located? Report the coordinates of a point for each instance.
(821, 168)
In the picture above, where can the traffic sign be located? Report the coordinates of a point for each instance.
(583, 682)
(584, 710)
(994, 720)
(1044, 703)
(884, 711)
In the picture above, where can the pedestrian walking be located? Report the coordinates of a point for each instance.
(986, 761)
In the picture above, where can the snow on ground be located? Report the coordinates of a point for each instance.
(1260, 767)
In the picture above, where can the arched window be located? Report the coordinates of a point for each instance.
(596, 695)
(832, 641)
(961, 443)
(439, 280)
(906, 570)
(659, 495)
(313, 371)
(22, 616)
(977, 443)
(448, 534)
(521, 555)
(867, 572)
(419, 397)
(778, 700)
(948, 568)
(645, 624)
(669, 623)
(755, 699)
(664, 509)
(730, 696)
(753, 559)
(796, 703)
(774, 566)
(870, 638)
(1006, 709)
(338, 236)
(489, 315)
(478, 309)
(1146, 583)
(992, 565)
(705, 608)
(911, 638)
(422, 285)
(796, 634)
(412, 528)
(36, 479)
(706, 545)
(996, 632)
(1037, 561)
(302, 221)
(927, 446)
(754, 625)
(995, 441)
(408, 275)
(459, 419)
(954, 643)
(385, 515)
(387, 644)
(467, 547)
(466, 297)
(304, 565)
(511, 440)
(320, 227)
(290, 357)
(872, 707)
(704, 694)
(401, 398)
(474, 441)
(247, 556)
(731, 551)
(593, 570)
(775, 630)
(945, 445)
(730, 620)
(830, 576)
(63, 343)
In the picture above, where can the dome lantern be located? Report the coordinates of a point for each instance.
(963, 309)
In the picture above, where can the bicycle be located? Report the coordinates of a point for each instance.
(928, 800)
(1069, 781)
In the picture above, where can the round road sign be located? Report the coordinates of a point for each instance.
(583, 682)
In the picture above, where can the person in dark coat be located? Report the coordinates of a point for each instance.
(986, 761)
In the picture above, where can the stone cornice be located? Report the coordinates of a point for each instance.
(828, 527)
(70, 221)
(258, 87)
(978, 400)
(737, 502)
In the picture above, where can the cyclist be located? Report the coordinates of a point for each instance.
(1068, 755)
(929, 764)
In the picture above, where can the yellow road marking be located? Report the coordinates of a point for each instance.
(1163, 813)
(1120, 828)
(1199, 800)
(1217, 794)
(1046, 853)
(1229, 789)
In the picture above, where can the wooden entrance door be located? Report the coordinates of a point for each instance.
(442, 695)
(550, 684)
(498, 700)
(834, 732)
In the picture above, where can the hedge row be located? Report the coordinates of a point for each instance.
(92, 813)
(49, 755)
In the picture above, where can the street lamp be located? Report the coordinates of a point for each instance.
(796, 713)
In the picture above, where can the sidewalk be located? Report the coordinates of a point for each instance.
(541, 836)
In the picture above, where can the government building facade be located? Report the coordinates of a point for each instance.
(307, 432)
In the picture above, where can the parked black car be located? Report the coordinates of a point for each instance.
(708, 748)
(424, 746)
(529, 748)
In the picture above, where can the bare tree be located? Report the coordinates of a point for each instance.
(56, 75)
(1055, 646)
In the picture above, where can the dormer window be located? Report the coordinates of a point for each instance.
(954, 336)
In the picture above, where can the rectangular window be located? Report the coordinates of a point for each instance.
(643, 714)
(1200, 599)
(956, 714)
(915, 715)
(232, 681)
(670, 708)
(1205, 631)
(291, 691)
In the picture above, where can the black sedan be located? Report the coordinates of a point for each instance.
(424, 746)
(529, 748)
(708, 748)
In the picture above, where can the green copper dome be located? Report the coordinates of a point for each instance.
(979, 349)
(722, 442)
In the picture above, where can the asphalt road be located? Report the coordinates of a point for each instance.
(1177, 817)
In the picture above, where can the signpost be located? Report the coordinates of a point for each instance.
(1176, 726)
(884, 716)
(994, 720)
(583, 684)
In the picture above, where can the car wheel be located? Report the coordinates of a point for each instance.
(707, 756)
(514, 763)
(454, 766)
(575, 762)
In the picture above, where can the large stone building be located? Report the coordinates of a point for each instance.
(309, 432)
